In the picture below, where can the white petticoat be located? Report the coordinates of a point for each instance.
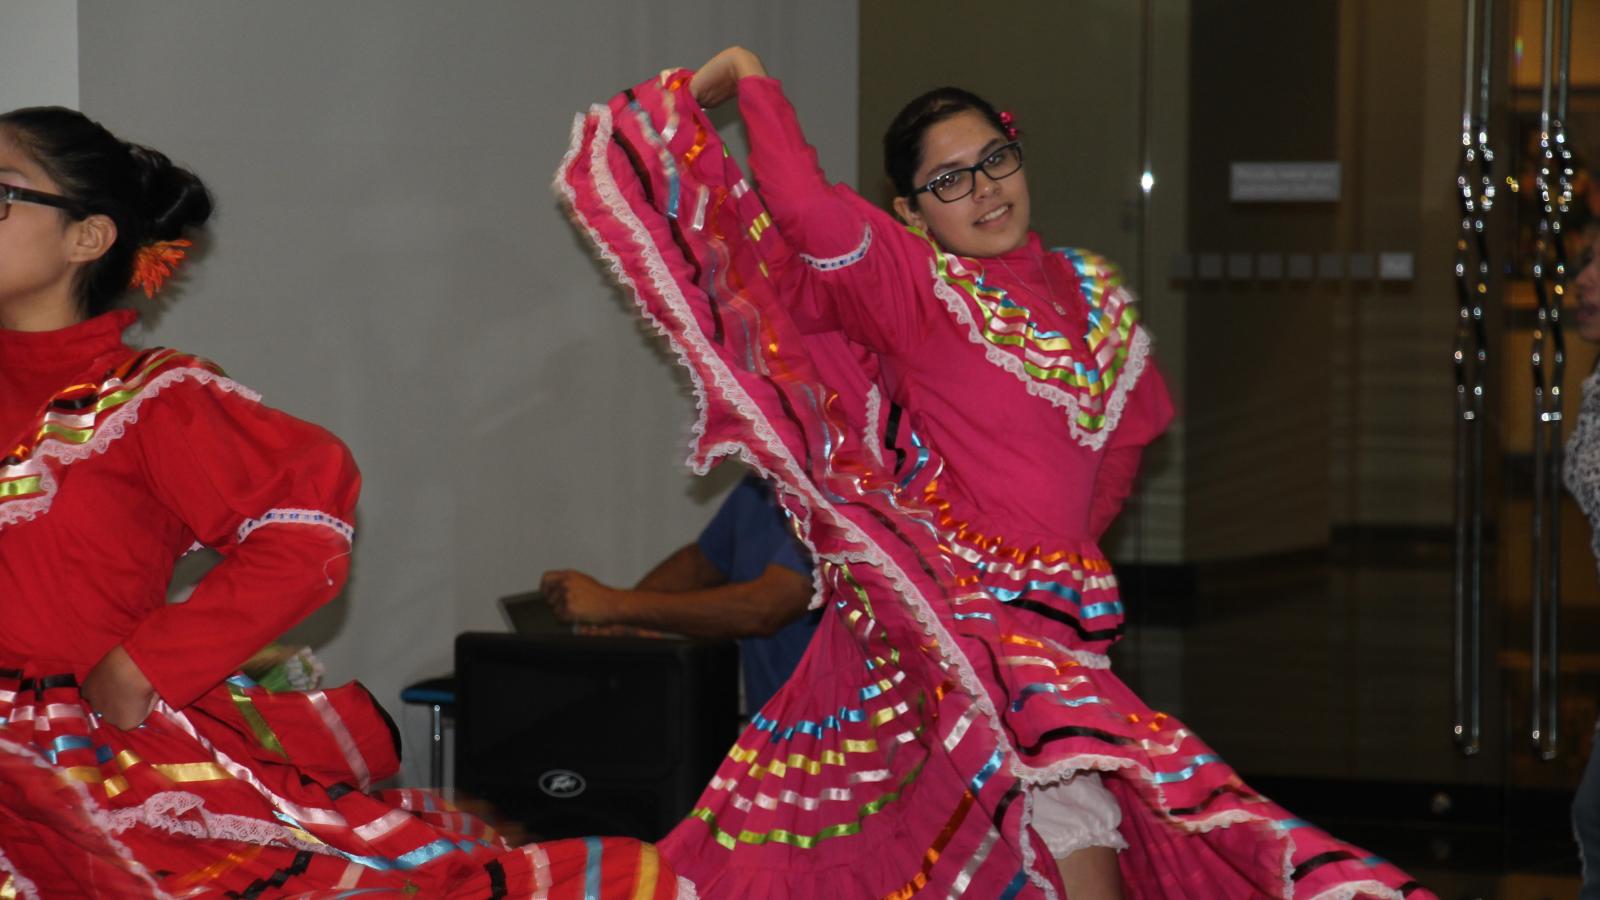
(1077, 813)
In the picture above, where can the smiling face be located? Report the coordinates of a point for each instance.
(991, 220)
(1587, 293)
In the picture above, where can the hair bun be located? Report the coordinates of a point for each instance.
(174, 198)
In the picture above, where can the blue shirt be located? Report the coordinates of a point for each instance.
(749, 533)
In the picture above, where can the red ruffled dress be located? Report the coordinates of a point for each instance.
(951, 436)
(118, 462)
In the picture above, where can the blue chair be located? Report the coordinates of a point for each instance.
(440, 694)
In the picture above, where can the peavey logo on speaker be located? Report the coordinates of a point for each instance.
(562, 784)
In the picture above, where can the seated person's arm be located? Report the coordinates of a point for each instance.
(686, 570)
(758, 608)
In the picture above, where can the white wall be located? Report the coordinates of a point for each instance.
(388, 260)
(38, 53)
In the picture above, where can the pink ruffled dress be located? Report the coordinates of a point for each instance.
(950, 449)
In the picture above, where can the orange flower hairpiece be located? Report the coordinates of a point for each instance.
(153, 264)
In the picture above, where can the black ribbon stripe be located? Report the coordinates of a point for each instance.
(50, 682)
(497, 879)
(302, 861)
(1318, 861)
(1077, 731)
(1212, 797)
(889, 432)
(1065, 618)
(1003, 806)
(633, 155)
(991, 655)
(76, 403)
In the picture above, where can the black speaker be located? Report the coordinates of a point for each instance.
(571, 736)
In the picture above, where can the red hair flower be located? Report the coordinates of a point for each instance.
(1010, 123)
(153, 264)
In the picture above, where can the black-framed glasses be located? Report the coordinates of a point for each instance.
(951, 186)
(10, 193)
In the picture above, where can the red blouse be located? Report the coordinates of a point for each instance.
(119, 461)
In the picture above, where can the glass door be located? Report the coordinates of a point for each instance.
(1279, 181)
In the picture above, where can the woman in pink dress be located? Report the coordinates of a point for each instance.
(952, 415)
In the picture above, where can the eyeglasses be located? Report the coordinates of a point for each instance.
(957, 183)
(10, 194)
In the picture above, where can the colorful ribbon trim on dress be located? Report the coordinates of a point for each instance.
(73, 414)
(1089, 368)
(74, 423)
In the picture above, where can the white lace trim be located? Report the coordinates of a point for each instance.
(114, 427)
(24, 510)
(845, 260)
(1133, 368)
(185, 814)
(1353, 889)
(92, 809)
(693, 342)
(277, 516)
(1029, 858)
(1062, 769)
(1286, 865)
(818, 589)
(874, 409)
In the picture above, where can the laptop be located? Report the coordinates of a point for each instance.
(528, 614)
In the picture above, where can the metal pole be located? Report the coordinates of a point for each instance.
(1475, 189)
(436, 761)
(1549, 365)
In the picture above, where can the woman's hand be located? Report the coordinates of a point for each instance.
(118, 691)
(717, 82)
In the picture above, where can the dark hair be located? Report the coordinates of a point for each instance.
(140, 189)
(902, 143)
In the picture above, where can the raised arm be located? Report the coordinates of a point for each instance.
(862, 270)
(813, 217)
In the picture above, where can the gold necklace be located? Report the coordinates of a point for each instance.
(1044, 269)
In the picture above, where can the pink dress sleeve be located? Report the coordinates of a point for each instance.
(274, 495)
(1146, 415)
(862, 272)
